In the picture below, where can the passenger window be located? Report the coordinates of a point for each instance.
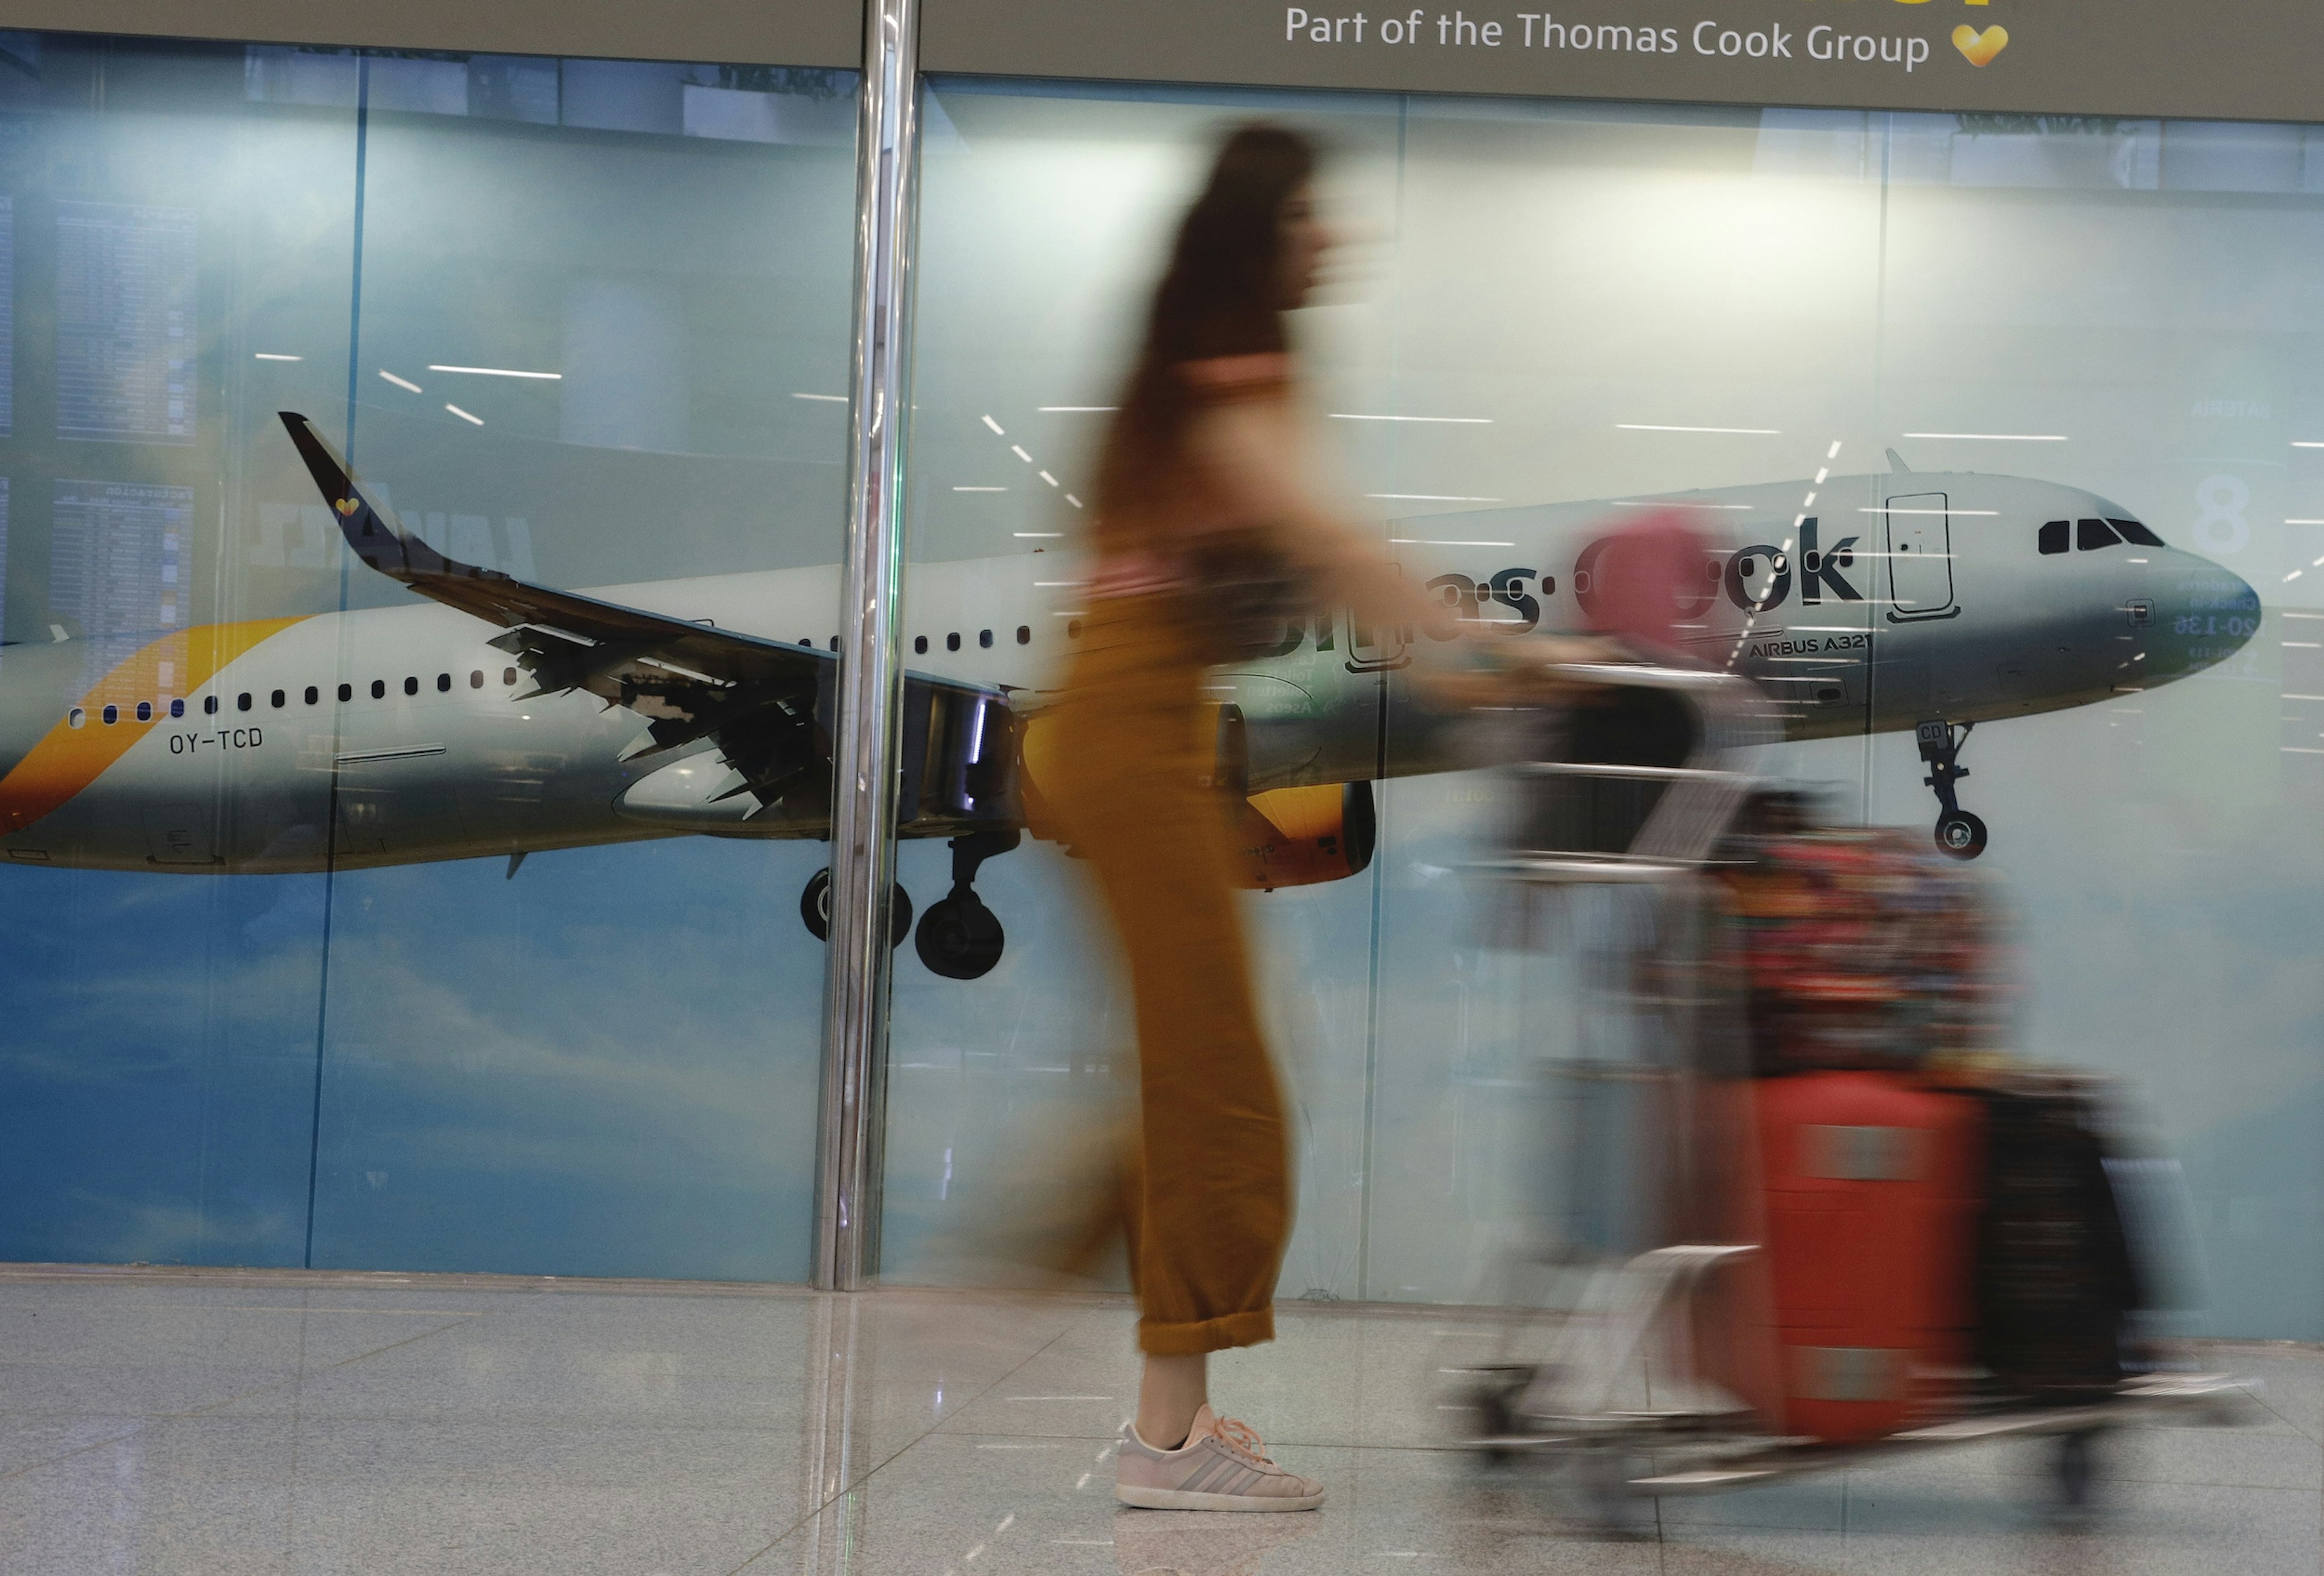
(508, 675)
(952, 641)
(209, 706)
(411, 686)
(177, 708)
(834, 643)
(985, 639)
(2089, 535)
(277, 699)
(1024, 634)
(920, 644)
(313, 695)
(76, 718)
(144, 711)
(1072, 629)
(2054, 536)
(346, 692)
(241, 701)
(112, 714)
(2132, 531)
(476, 678)
(379, 689)
(443, 684)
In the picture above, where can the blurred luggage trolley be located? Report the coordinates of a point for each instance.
(1797, 1210)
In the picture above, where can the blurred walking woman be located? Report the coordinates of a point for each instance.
(1207, 525)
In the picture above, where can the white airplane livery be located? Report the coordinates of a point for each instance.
(501, 718)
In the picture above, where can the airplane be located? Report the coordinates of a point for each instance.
(502, 718)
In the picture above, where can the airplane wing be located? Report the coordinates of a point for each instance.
(766, 705)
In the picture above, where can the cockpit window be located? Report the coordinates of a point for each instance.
(2054, 536)
(2092, 534)
(2132, 531)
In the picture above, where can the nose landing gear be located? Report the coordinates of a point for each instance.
(959, 937)
(1958, 834)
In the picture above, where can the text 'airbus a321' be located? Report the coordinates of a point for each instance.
(501, 718)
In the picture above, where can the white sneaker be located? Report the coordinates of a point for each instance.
(1220, 1467)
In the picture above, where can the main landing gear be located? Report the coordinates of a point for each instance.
(815, 909)
(959, 937)
(1958, 832)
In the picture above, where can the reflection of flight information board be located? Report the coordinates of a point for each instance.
(124, 322)
(115, 556)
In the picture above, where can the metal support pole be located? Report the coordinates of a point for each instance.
(864, 809)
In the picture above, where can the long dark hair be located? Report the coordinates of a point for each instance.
(1221, 295)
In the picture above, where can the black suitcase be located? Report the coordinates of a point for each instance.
(2055, 1277)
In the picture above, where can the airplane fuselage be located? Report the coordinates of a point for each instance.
(400, 734)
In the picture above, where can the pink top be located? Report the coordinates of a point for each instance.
(1147, 554)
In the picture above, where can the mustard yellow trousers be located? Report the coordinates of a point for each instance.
(1208, 1200)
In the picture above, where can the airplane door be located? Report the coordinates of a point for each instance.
(1919, 560)
(1376, 647)
(181, 834)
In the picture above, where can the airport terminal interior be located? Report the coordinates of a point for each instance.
(429, 1140)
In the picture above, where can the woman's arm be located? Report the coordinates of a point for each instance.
(1252, 454)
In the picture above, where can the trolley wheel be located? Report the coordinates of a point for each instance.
(1492, 1412)
(2077, 1465)
(1960, 834)
(1604, 1498)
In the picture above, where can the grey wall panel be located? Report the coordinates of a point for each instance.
(790, 33)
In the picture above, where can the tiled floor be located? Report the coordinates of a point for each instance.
(187, 1422)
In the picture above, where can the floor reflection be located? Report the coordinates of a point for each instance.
(193, 1422)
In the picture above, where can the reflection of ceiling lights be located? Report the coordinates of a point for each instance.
(1422, 541)
(270, 355)
(463, 415)
(1452, 420)
(822, 399)
(1433, 497)
(1018, 450)
(402, 382)
(1996, 436)
(496, 371)
(2303, 443)
(1076, 409)
(1736, 432)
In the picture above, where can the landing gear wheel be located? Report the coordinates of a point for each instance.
(1960, 834)
(815, 909)
(959, 937)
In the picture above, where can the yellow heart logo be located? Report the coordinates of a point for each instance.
(348, 506)
(1980, 47)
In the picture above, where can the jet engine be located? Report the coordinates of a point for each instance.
(1284, 837)
(1302, 836)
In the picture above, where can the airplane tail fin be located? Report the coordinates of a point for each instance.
(1896, 466)
(378, 538)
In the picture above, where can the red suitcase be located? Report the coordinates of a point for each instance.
(1871, 1190)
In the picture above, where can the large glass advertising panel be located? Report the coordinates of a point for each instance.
(604, 344)
(1991, 429)
(402, 909)
(174, 266)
